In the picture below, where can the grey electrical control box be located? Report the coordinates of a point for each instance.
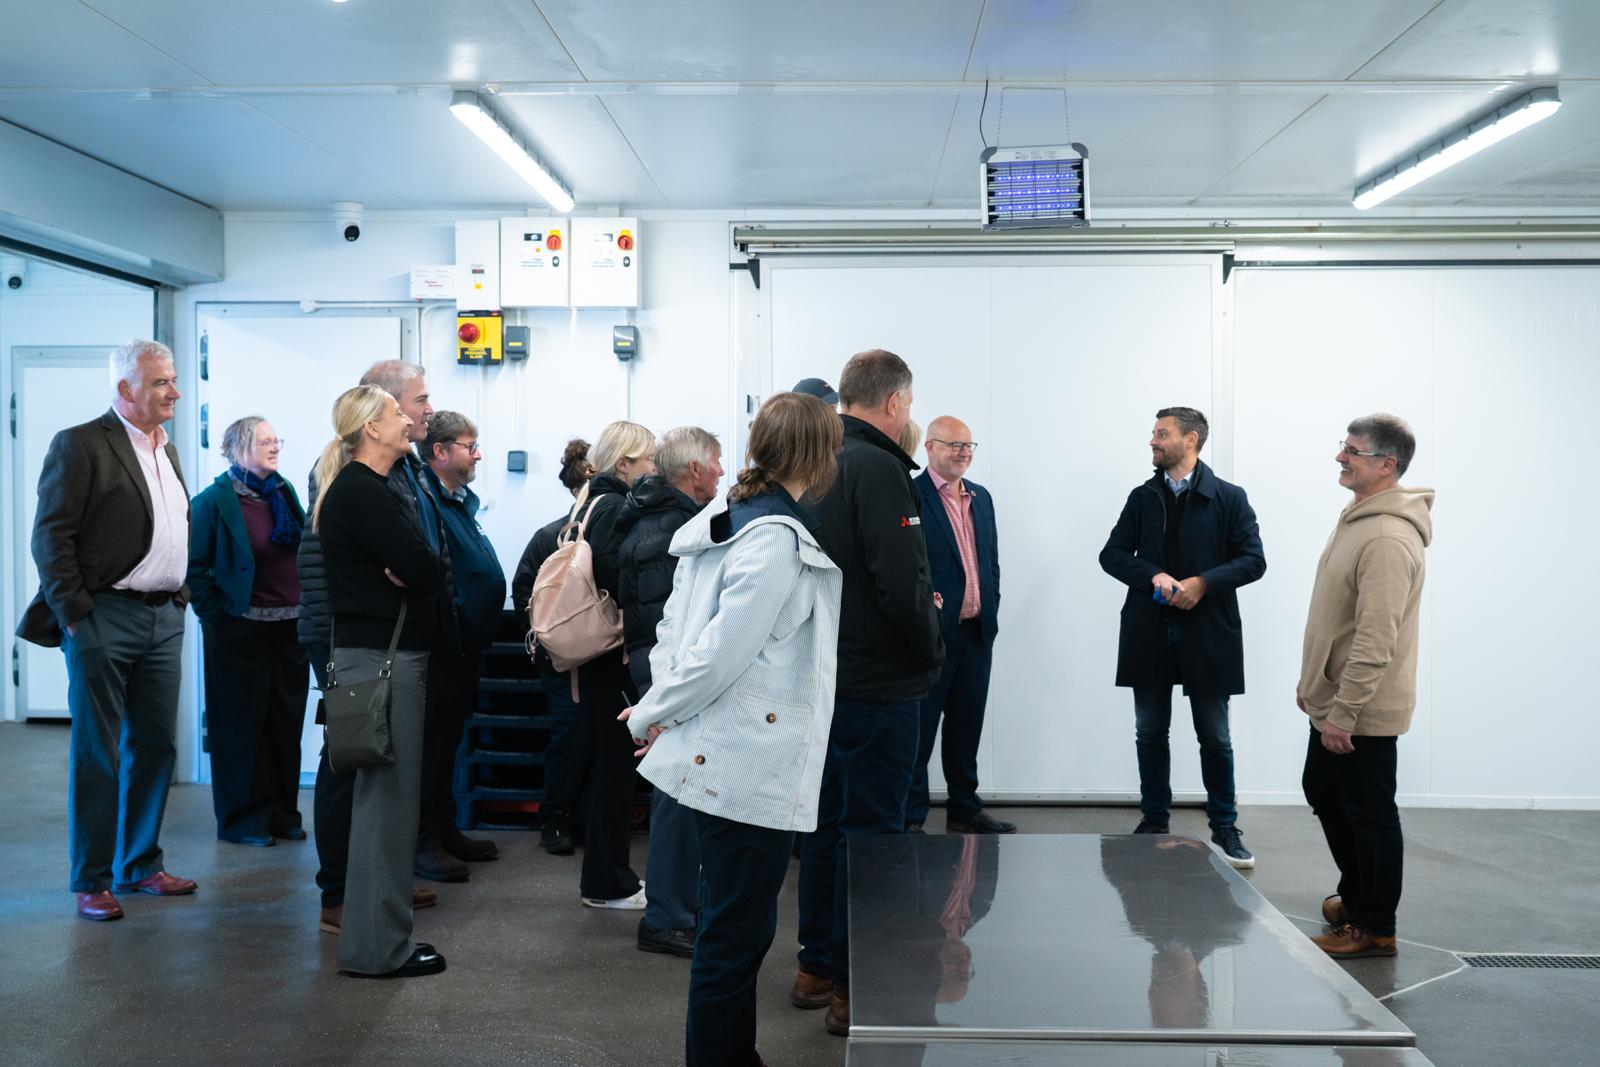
(516, 343)
(625, 342)
(517, 461)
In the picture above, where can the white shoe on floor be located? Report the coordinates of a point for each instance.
(633, 903)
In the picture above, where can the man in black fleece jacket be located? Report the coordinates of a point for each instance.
(889, 657)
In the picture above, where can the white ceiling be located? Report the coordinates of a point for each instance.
(1203, 105)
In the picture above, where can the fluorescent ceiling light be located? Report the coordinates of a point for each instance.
(470, 109)
(1457, 145)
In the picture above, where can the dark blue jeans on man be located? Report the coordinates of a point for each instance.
(959, 697)
(742, 868)
(1152, 714)
(865, 778)
(124, 665)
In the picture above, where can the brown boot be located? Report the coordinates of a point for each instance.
(1350, 942)
(838, 1017)
(422, 898)
(1333, 912)
(331, 919)
(810, 992)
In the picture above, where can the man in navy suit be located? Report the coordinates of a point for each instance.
(964, 561)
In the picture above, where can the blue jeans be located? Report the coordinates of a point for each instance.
(673, 867)
(1152, 715)
(865, 778)
(742, 868)
(123, 670)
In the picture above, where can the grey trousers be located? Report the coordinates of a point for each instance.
(375, 936)
(123, 670)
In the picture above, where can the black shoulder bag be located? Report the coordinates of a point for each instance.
(357, 730)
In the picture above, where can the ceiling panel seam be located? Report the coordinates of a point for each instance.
(147, 43)
(1529, 169)
(1257, 150)
(972, 45)
(352, 168)
(944, 151)
(1397, 38)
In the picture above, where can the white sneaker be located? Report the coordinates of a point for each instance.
(633, 903)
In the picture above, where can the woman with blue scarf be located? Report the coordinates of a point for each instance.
(243, 532)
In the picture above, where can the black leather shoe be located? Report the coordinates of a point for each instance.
(437, 865)
(1150, 826)
(666, 942)
(915, 828)
(292, 833)
(981, 823)
(253, 840)
(425, 959)
(556, 841)
(469, 849)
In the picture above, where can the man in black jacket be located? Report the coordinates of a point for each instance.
(688, 472)
(1186, 540)
(889, 657)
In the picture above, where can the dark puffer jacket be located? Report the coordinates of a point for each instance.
(312, 627)
(650, 516)
(540, 547)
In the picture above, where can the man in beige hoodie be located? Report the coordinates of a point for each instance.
(1358, 680)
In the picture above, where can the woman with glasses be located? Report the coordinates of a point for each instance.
(243, 532)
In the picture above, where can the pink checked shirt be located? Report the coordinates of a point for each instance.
(958, 505)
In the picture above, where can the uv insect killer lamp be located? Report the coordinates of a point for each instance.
(1034, 185)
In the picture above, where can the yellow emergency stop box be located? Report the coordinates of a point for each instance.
(479, 337)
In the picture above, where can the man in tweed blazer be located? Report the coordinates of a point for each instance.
(111, 541)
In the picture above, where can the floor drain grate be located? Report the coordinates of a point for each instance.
(1486, 959)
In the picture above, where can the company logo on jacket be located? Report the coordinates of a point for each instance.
(913, 520)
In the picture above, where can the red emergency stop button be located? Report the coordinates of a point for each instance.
(625, 242)
(469, 333)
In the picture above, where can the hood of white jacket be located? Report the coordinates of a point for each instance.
(1402, 502)
(694, 536)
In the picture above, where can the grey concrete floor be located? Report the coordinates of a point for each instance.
(238, 974)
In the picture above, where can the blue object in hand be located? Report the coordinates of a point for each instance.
(1159, 596)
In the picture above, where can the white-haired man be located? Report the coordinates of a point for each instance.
(111, 541)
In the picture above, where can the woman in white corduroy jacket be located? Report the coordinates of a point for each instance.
(736, 725)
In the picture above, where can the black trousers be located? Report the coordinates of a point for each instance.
(569, 754)
(331, 803)
(959, 697)
(452, 698)
(741, 873)
(255, 682)
(1353, 797)
(604, 689)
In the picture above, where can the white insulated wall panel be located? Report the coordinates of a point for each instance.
(478, 265)
(535, 262)
(605, 265)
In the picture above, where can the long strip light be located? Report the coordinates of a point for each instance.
(1457, 145)
(469, 108)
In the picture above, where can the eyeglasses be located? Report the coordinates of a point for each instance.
(474, 449)
(272, 442)
(1351, 450)
(955, 446)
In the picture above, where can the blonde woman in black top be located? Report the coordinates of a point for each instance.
(375, 561)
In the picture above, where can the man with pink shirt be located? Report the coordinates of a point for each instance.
(111, 540)
(964, 562)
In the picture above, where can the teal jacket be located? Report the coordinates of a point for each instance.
(222, 568)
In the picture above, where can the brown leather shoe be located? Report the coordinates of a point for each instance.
(160, 884)
(331, 919)
(810, 992)
(423, 898)
(1350, 942)
(838, 1018)
(1333, 912)
(99, 906)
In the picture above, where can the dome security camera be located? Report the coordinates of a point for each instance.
(14, 270)
(347, 216)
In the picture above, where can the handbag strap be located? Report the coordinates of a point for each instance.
(388, 657)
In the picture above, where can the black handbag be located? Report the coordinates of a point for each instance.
(357, 732)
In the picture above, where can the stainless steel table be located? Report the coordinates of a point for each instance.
(1115, 938)
(903, 1053)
